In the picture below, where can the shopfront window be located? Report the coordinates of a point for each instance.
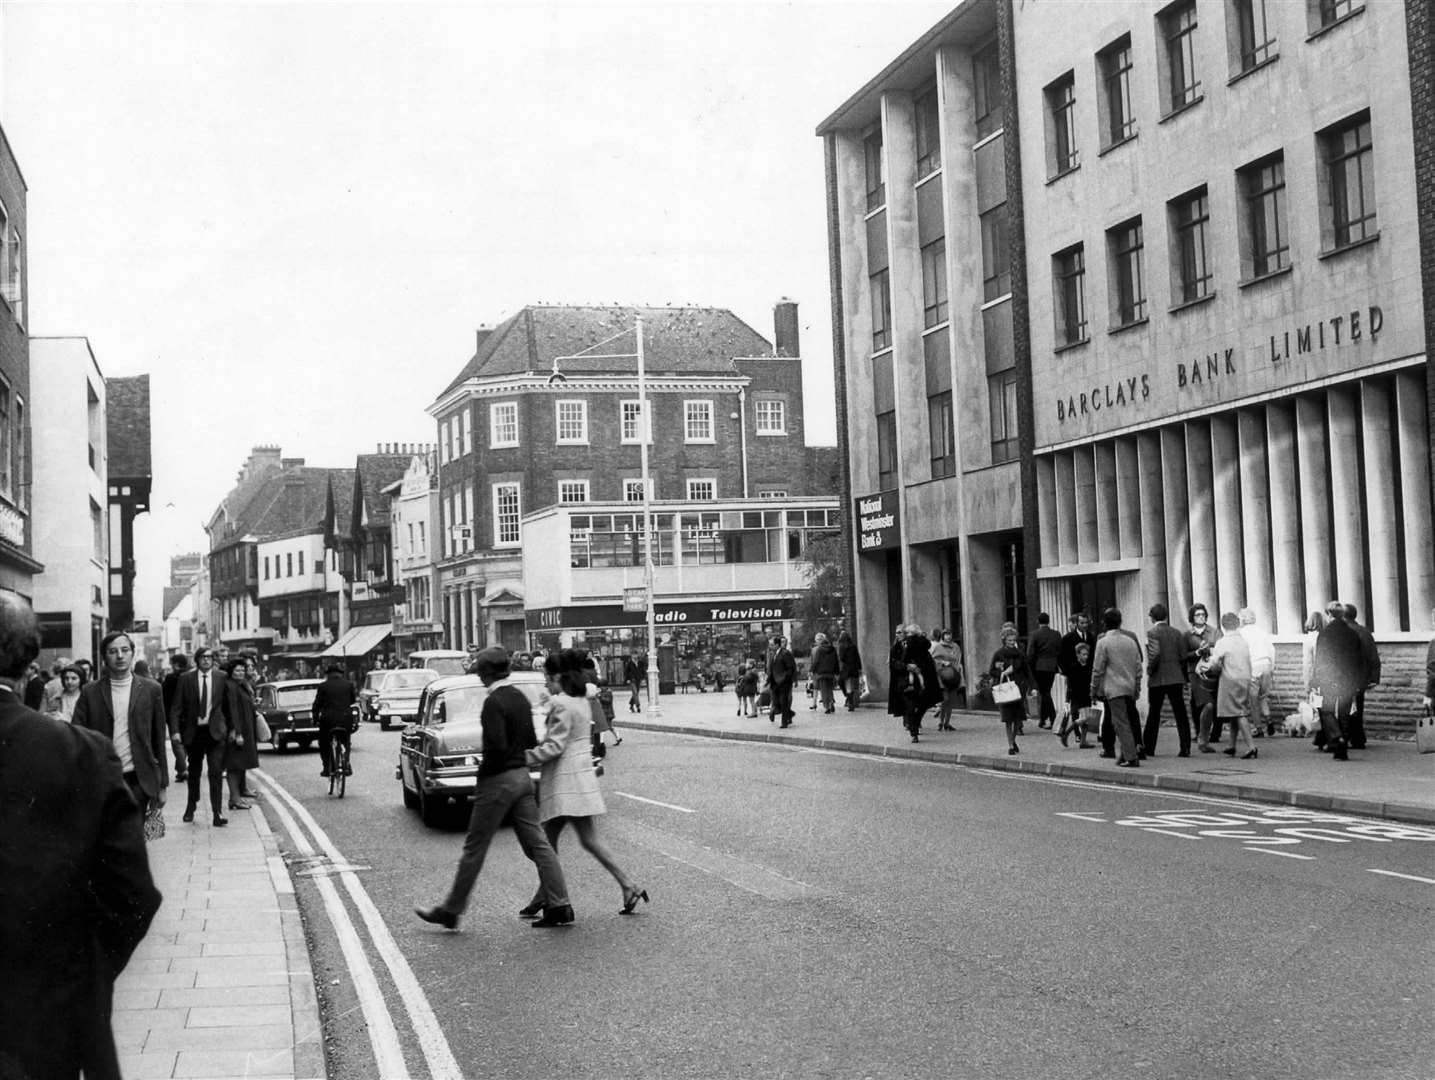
(702, 538)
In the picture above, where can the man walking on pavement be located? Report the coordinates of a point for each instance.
(781, 675)
(199, 727)
(1116, 678)
(76, 895)
(333, 702)
(1339, 669)
(1370, 677)
(504, 795)
(1043, 656)
(1263, 666)
(1166, 665)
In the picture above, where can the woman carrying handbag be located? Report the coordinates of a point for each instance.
(1011, 682)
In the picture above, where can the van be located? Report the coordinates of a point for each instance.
(444, 661)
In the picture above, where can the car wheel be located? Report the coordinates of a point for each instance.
(304, 744)
(384, 723)
(411, 800)
(430, 808)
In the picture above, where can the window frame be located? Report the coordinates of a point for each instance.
(1126, 260)
(941, 435)
(1118, 114)
(694, 486)
(1192, 270)
(636, 420)
(1001, 391)
(1263, 206)
(634, 485)
(769, 429)
(887, 461)
(874, 163)
(880, 285)
(705, 404)
(1338, 230)
(580, 487)
(987, 99)
(927, 135)
(1249, 52)
(996, 242)
(507, 525)
(495, 426)
(581, 423)
(1068, 269)
(1182, 85)
(1062, 154)
(936, 296)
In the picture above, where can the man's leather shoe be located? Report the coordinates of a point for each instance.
(323, 772)
(220, 822)
(562, 915)
(189, 812)
(1183, 753)
(438, 916)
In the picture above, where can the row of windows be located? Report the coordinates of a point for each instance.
(1346, 186)
(571, 424)
(12, 258)
(714, 537)
(287, 565)
(1250, 40)
(14, 446)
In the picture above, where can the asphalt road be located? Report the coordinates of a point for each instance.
(828, 915)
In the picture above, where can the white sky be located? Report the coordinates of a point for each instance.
(294, 216)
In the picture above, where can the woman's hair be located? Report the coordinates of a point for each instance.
(235, 664)
(1314, 623)
(71, 669)
(1191, 613)
(566, 668)
(1010, 632)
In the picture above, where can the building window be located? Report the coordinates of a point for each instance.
(97, 532)
(503, 424)
(573, 491)
(1118, 117)
(987, 90)
(507, 515)
(881, 312)
(1178, 28)
(301, 564)
(455, 430)
(698, 422)
(1263, 189)
(466, 425)
(1069, 271)
(631, 422)
(771, 416)
(1061, 155)
(572, 422)
(266, 568)
(468, 537)
(12, 276)
(1332, 11)
(996, 254)
(1190, 262)
(21, 466)
(633, 489)
(443, 442)
(886, 450)
(929, 139)
(772, 493)
(1348, 183)
(875, 166)
(288, 564)
(703, 490)
(941, 434)
(1255, 43)
(1001, 394)
(934, 283)
(1125, 254)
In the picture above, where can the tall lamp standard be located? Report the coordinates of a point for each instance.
(557, 378)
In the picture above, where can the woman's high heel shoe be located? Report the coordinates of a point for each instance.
(631, 895)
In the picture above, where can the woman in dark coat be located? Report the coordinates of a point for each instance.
(897, 673)
(242, 751)
(1009, 663)
(849, 669)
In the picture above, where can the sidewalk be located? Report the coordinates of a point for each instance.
(221, 986)
(1388, 779)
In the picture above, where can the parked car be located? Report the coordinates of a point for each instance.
(288, 708)
(392, 696)
(439, 753)
(444, 661)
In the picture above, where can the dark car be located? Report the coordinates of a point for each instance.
(288, 708)
(440, 751)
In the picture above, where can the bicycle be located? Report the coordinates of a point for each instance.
(339, 764)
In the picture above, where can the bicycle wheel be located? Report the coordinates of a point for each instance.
(343, 776)
(336, 766)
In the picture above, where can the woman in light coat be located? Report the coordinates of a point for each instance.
(947, 655)
(568, 786)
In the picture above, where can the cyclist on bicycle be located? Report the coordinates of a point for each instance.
(333, 702)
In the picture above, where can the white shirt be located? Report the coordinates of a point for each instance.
(120, 702)
(1263, 649)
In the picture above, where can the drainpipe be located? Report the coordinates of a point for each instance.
(742, 432)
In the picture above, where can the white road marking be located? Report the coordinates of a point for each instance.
(654, 802)
(1168, 832)
(432, 1042)
(1282, 854)
(383, 1036)
(1093, 818)
(1407, 877)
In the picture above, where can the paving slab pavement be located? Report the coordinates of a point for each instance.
(1388, 779)
(221, 986)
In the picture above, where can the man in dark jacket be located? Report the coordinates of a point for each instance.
(781, 674)
(1339, 675)
(1166, 667)
(1043, 656)
(199, 729)
(333, 704)
(129, 711)
(1370, 676)
(822, 668)
(76, 895)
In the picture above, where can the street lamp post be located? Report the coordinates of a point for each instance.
(644, 433)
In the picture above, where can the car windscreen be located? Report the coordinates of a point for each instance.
(466, 702)
(374, 680)
(445, 665)
(409, 680)
(297, 697)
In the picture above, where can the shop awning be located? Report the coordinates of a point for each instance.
(358, 640)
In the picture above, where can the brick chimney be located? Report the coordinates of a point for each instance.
(785, 333)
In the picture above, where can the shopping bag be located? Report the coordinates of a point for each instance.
(261, 729)
(1033, 704)
(1425, 733)
(863, 690)
(764, 700)
(1006, 692)
(153, 822)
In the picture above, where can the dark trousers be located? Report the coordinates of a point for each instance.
(326, 732)
(1335, 718)
(506, 799)
(782, 701)
(203, 750)
(1154, 697)
(1044, 681)
(1355, 723)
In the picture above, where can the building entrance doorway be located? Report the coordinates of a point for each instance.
(1093, 595)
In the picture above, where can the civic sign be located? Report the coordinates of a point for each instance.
(878, 525)
(635, 599)
(686, 613)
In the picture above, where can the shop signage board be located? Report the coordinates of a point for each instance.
(879, 526)
(665, 613)
(635, 599)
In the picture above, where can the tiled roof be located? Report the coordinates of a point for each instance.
(173, 594)
(341, 489)
(374, 472)
(676, 340)
(292, 502)
(128, 422)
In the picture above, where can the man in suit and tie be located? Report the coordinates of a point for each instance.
(781, 675)
(76, 895)
(199, 727)
(129, 711)
(1166, 666)
(1043, 656)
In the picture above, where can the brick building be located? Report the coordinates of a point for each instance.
(17, 562)
(514, 437)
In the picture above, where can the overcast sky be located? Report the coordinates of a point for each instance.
(293, 216)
